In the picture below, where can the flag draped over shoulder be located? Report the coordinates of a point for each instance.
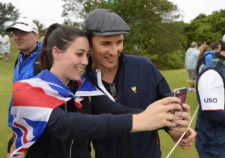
(33, 101)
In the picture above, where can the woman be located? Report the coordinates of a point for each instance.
(201, 63)
(53, 122)
(210, 123)
(203, 50)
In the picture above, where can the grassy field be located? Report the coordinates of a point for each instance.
(175, 78)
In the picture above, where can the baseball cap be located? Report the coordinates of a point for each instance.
(24, 24)
(104, 22)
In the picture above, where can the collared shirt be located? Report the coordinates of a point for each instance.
(191, 58)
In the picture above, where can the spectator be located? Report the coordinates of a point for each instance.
(25, 36)
(191, 59)
(215, 48)
(203, 50)
(210, 123)
(0, 46)
(5, 45)
(201, 45)
(201, 59)
(131, 80)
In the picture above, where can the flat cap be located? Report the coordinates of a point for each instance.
(104, 22)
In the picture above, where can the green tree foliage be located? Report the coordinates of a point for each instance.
(8, 13)
(170, 41)
(153, 33)
(207, 28)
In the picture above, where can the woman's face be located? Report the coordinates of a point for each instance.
(70, 64)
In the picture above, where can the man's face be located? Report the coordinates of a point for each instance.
(106, 51)
(25, 41)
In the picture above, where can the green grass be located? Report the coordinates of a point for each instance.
(175, 78)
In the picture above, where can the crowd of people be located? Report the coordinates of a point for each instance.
(79, 87)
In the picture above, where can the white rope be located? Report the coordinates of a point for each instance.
(193, 116)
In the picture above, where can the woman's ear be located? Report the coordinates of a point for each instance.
(55, 52)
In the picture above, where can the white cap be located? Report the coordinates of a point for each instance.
(24, 24)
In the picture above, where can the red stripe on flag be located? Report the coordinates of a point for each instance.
(14, 136)
(26, 95)
(18, 152)
(25, 131)
(22, 149)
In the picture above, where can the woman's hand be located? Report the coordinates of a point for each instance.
(157, 115)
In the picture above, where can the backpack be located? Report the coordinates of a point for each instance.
(201, 63)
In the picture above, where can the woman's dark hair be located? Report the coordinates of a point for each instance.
(60, 36)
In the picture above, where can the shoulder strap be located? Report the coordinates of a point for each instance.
(37, 66)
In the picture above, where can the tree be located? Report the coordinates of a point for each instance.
(207, 28)
(8, 13)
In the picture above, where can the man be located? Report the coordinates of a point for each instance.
(131, 80)
(215, 48)
(210, 123)
(5, 45)
(191, 59)
(0, 46)
(25, 36)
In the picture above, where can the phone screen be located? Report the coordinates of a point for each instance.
(180, 93)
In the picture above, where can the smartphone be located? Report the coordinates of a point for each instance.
(180, 93)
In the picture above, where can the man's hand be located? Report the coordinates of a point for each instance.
(186, 141)
(176, 132)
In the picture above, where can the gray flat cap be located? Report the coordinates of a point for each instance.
(104, 22)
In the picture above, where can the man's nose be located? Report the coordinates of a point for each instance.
(114, 50)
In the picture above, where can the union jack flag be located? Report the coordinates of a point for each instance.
(33, 101)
